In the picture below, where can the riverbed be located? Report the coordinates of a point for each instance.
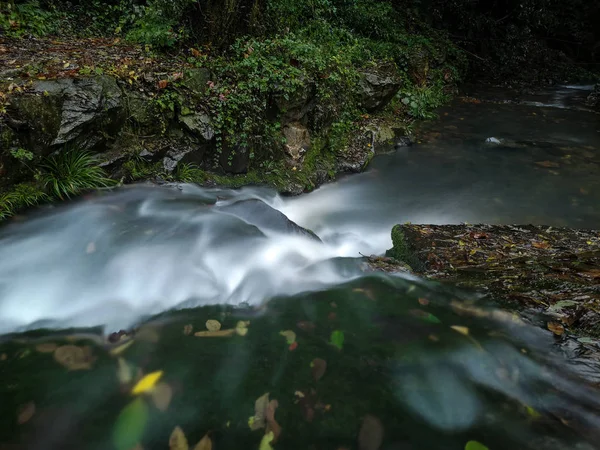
(224, 299)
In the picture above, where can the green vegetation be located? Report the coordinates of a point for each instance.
(58, 177)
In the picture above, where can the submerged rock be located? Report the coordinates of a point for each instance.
(263, 216)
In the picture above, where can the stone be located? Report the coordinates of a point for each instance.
(294, 107)
(377, 89)
(196, 81)
(140, 111)
(235, 159)
(82, 112)
(297, 140)
(199, 125)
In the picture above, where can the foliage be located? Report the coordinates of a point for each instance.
(21, 154)
(71, 172)
(421, 102)
(18, 19)
(21, 196)
(189, 173)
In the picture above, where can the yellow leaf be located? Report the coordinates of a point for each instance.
(213, 325)
(147, 383)
(242, 327)
(461, 330)
(265, 443)
(289, 335)
(67, 64)
(204, 444)
(178, 441)
(556, 328)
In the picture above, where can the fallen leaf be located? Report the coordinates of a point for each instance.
(476, 235)
(319, 366)
(204, 444)
(178, 441)
(161, 396)
(258, 420)
(130, 425)
(337, 339)
(556, 328)
(272, 425)
(121, 348)
(370, 436)
(177, 76)
(265, 443)
(46, 347)
(461, 330)
(289, 335)
(423, 301)
(562, 304)
(474, 445)
(220, 333)
(73, 357)
(547, 164)
(587, 340)
(25, 413)
(293, 346)
(242, 327)
(592, 273)
(195, 53)
(424, 315)
(147, 383)
(162, 84)
(213, 325)
(532, 412)
(124, 371)
(542, 244)
(187, 329)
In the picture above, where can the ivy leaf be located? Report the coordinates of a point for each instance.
(130, 425)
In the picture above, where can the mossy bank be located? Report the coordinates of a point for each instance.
(291, 104)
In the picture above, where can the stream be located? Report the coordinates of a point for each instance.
(353, 358)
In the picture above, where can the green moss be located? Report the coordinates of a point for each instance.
(402, 250)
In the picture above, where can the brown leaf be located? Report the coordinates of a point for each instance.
(73, 357)
(187, 329)
(423, 301)
(25, 413)
(547, 164)
(195, 53)
(556, 328)
(319, 366)
(305, 325)
(204, 444)
(46, 347)
(178, 441)
(162, 84)
(177, 76)
(542, 244)
(161, 396)
(370, 436)
(272, 425)
(476, 235)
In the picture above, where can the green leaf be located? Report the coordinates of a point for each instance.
(129, 428)
(562, 304)
(587, 340)
(337, 339)
(474, 445)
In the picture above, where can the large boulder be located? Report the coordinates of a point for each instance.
(80, 112)
(294, 107)
(377, 88)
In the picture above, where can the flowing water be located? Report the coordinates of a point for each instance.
(409, 364)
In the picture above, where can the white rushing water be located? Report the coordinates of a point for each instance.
(139, 251)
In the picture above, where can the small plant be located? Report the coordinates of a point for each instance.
(72, 171)
(189, 173)
(21, 154)
(22, 196)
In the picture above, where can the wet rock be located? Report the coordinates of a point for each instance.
(593, 99)
(260, 214)
(297, 105)
(235, 159)
(493, 141)
(403, 141)
(297, 140)
(199, 125)
(378, 88)
(140, 111)
(82, 112)
(196, 81)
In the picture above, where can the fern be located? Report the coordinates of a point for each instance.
(70, 172)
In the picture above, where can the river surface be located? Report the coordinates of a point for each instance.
(354, 359)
